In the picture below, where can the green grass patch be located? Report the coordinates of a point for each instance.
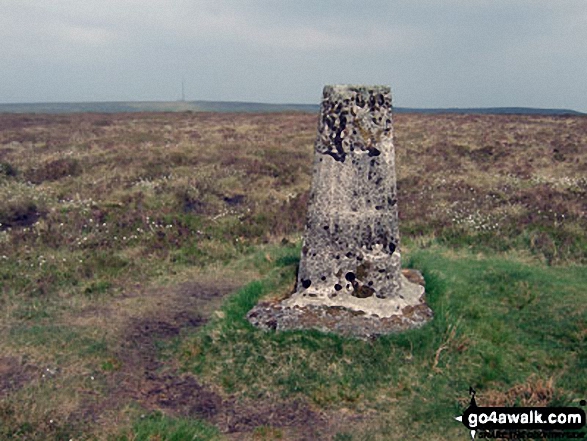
(498, 324)
(61, 341)
(157, 426)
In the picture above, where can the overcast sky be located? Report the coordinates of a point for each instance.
(433, 53)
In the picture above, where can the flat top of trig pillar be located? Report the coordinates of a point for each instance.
(360, 88)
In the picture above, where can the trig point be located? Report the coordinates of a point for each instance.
(351, 255)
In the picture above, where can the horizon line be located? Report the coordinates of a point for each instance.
(187, 101)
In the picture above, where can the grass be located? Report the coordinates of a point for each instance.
(106, 220)
(159, 427)
(494, 338)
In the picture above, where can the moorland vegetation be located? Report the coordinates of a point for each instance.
(132, 245)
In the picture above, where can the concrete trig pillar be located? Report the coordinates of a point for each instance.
(351, 255)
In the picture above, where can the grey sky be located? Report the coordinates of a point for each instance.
(442, 53)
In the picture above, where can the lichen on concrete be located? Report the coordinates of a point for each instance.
(351, 251)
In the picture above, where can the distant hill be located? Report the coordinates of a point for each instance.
(242, 107)
(493, 111)
(156, 106)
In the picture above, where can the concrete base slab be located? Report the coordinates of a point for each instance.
(409, 294)
(373, 318)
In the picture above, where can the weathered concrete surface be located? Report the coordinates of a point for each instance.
(339, 320)
(350, 256)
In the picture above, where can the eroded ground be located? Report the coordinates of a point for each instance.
(142, 322)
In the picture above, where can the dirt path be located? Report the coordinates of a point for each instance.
(143, 378)
(137, 324)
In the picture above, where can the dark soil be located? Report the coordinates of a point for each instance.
(140, 375)
(144, 378)
(15, 374)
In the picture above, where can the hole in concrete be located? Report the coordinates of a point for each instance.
(337, 287)
(362, 291)
(306, 283)
(350, 276)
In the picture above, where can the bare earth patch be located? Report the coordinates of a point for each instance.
(15, 374)
(140, 376)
